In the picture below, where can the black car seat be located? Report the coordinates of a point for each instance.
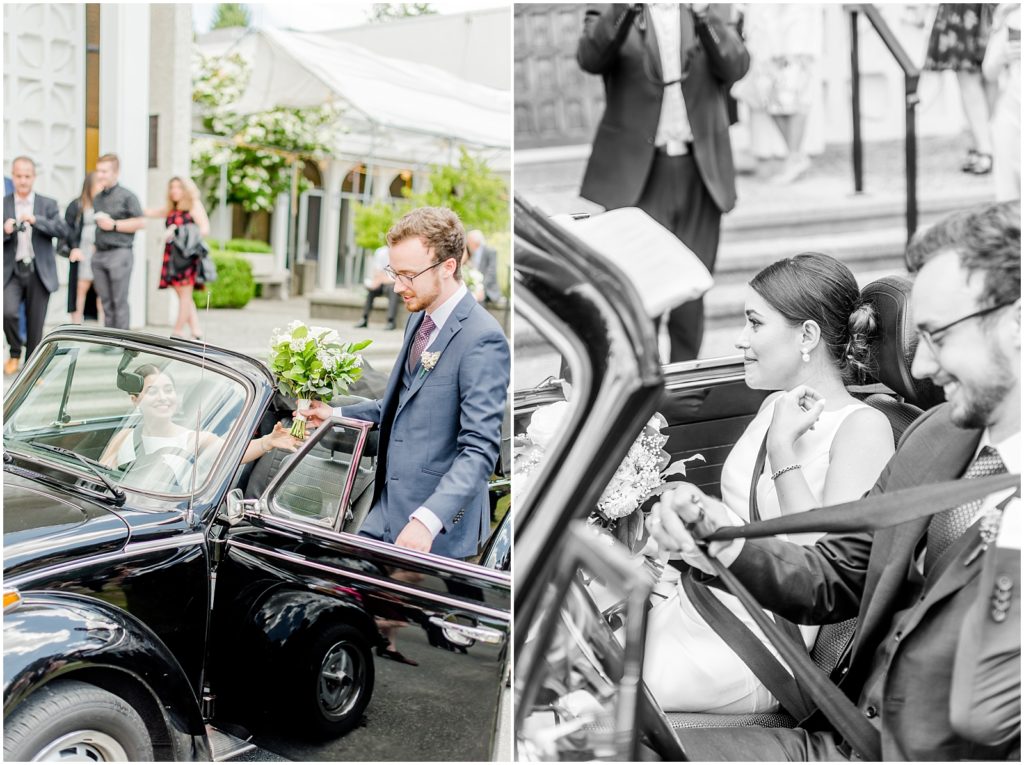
(901, 398)
(893, 353)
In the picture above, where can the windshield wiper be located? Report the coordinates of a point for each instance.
(92, 465)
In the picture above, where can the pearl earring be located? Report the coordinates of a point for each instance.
(805, 355)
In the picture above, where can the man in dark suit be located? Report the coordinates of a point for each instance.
(31, 222)
(935, 661)
(440, 418)
(663, 141)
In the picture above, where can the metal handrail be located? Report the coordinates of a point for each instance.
(911, 79)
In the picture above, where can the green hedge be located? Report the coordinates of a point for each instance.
(239, 245)
(234, 286)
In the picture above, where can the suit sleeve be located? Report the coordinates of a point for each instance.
(48, 222)
(727, 55)
(364, 410)
(483, 388)
(985, 694)
(604, 29)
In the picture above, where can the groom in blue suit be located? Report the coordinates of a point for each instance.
(440, 418)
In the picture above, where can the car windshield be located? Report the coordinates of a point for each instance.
(145, 421)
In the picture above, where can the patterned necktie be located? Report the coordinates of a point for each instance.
(947, 526)
(419, 343)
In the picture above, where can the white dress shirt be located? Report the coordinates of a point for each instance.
(673, 131)
(24, 206)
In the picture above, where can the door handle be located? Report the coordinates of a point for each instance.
(459, 633)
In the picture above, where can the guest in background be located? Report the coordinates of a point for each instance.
(785, 43)
(184, 208)
(118, 216)
(1002, 66)
(31, 222)
(957, 43)
(485, 260)
(80, 221)
(663, 141)
(377, 284)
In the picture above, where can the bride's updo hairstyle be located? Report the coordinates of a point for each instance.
(813, 286)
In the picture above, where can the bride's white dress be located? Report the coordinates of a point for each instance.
(686, 665)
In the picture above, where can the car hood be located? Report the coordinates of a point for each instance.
(43, 528)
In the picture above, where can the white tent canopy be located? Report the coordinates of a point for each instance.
(392, 110)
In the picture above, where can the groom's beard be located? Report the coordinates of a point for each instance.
(420, 299)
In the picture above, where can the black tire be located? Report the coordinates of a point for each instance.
(69, 719)
(334, 682)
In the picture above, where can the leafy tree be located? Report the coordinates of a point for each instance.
(380, 12)
(258, 149)
(231, 15)
(471, 189)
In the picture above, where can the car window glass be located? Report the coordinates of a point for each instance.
(314, 483)
(148, 422)
(544, 401)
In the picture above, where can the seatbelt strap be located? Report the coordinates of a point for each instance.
(748, 647)
(868, 514)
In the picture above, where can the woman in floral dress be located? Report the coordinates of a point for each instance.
(958, 41)
(184, 206)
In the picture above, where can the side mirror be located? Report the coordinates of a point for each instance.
(235, 506)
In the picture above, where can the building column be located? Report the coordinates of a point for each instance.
(124, 120)
(330, 223)
(170, 88)
(279, 231)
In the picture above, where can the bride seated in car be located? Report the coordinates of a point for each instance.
(158, 443)
(811, 444)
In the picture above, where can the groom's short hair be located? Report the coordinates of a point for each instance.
(438, 228)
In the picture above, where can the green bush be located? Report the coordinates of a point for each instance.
(239, 245)
(234, 286)
(247, 245)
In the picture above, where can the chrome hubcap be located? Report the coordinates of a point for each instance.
(83, 746)
(341, 679)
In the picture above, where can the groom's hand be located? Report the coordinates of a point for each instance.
(415, 536)
(684, 510)
(317, 414)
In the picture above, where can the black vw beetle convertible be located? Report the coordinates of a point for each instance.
(579, 692)
(164, 601)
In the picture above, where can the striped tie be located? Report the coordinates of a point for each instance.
(419, 343)
(947, 526)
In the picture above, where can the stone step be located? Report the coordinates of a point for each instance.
(838, 212)
(869, 250)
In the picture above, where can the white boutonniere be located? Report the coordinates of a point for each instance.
(428, 361)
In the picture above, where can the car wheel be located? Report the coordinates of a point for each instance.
(68, 720)
(336, 682)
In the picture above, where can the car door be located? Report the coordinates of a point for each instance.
(364, 650)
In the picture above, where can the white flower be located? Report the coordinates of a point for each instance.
(545, 422)
(429, 360)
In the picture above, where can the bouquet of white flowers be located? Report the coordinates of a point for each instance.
(312, 364)
(646, 471)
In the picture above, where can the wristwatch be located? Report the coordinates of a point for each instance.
(115, 225)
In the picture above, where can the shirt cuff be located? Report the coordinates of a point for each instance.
(425, 516)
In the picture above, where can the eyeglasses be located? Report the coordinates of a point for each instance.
(932, 336)
(406, 279)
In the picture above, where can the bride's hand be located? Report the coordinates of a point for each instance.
(796, 411)
(686, 509)
(281, 438)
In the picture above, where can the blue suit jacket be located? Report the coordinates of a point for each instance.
(440, 436)
(49, 225)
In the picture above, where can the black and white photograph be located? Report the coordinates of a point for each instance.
(767, 382)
